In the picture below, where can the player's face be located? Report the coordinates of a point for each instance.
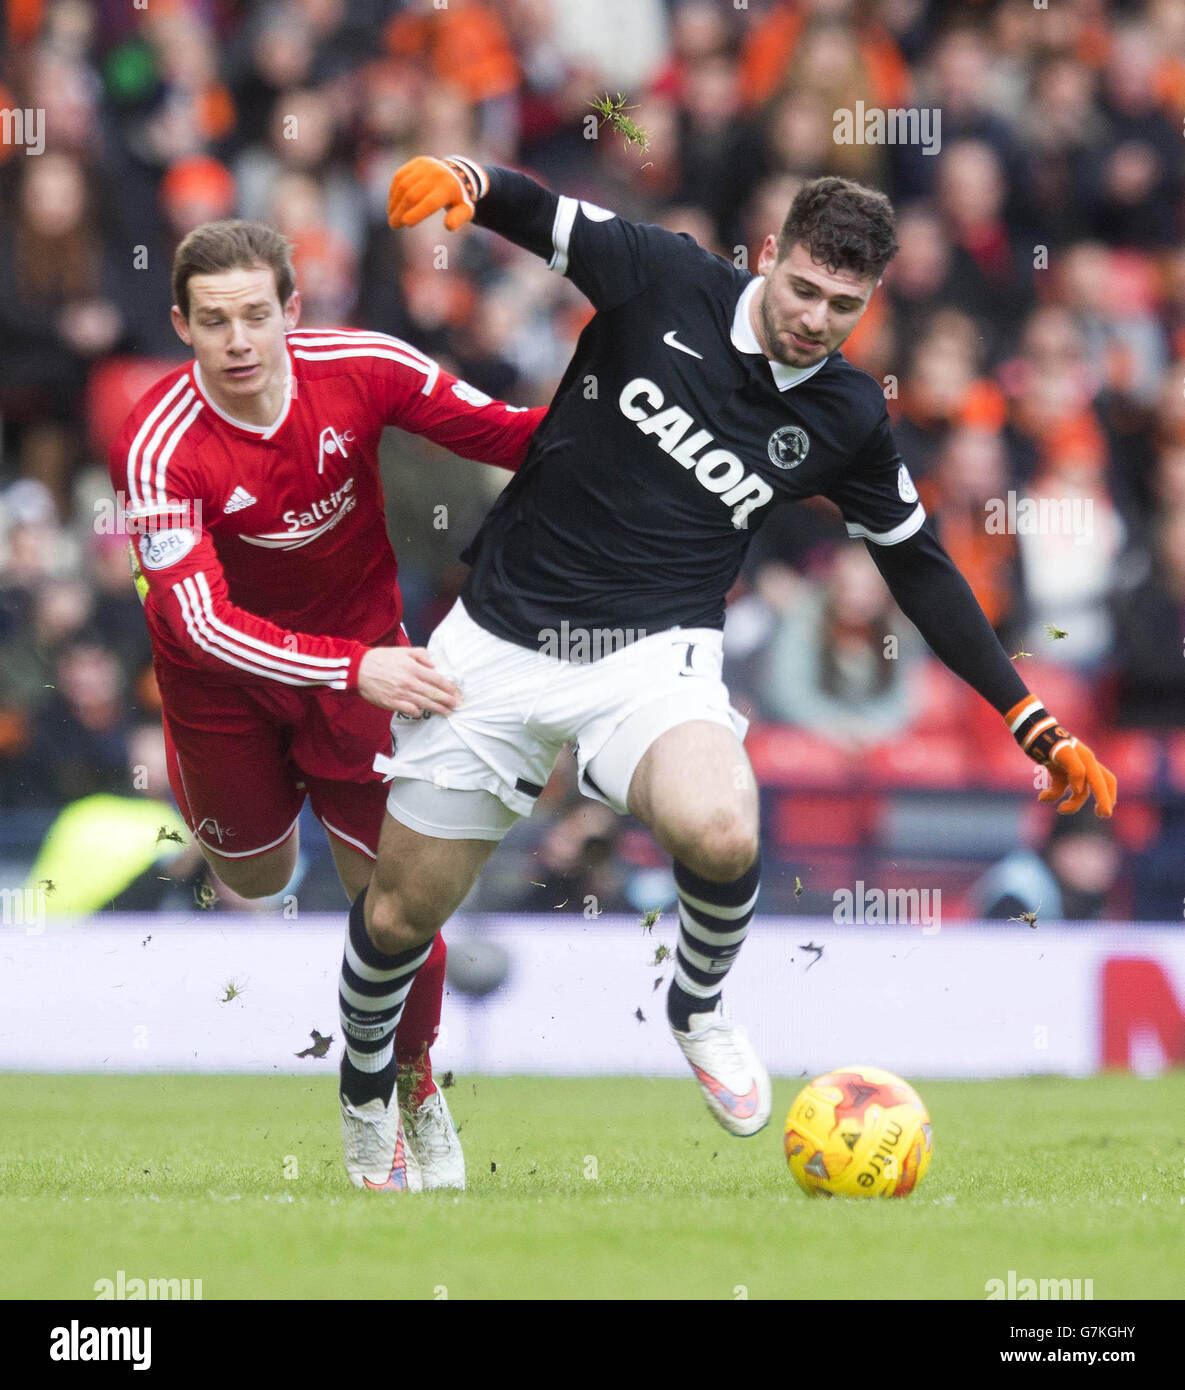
(804, 311)
(236, 328)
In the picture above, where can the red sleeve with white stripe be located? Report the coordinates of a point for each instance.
(187, 596)
(470, 423)
(416, 394)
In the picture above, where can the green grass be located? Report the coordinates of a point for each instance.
(183, 1177)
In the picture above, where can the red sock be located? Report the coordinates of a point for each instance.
(420, 1022)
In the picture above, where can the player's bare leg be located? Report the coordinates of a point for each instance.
(418, 882)
(695, 790)
(353, 867)
(258, 875)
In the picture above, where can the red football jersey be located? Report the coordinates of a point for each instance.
(265, 550)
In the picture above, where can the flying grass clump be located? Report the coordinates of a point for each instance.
(613, 113)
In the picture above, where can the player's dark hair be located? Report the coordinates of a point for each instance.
(843, 225)
(232, 245)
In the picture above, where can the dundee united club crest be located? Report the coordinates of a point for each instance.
(788, 446)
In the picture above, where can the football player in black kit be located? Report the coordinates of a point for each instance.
(699, 398)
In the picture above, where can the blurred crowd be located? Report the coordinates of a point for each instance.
(1030, 334)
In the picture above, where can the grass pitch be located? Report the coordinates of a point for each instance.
(605, 1188)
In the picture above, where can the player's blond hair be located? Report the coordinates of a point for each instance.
(234, 244)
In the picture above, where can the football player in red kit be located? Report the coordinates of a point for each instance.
(250, 482)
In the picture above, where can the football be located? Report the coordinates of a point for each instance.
(858, 1132)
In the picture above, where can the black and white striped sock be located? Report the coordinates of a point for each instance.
(713, 923)
(370, 996)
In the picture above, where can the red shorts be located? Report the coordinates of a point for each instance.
(242, 758)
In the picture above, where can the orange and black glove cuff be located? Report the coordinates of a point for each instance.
(1036, 730)
(1072, 766)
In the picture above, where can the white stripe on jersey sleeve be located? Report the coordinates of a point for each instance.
(281, 656)
(136, 497)
(194, 628)
(561, 233)
(171, 443)
(200, 624)
(316, 337)
(430, 369)
(913, 522)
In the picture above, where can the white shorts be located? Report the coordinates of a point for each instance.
(518, 709)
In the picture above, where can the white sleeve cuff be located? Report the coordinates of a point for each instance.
(912, 523)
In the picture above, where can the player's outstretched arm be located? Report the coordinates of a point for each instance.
(608, 258)
(936, 598)
(413, 392)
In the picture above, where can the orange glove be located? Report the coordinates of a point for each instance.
(425, 185)
(1071, 764)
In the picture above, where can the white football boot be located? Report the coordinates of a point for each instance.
(730, 1074)
(378, 1156)
(432, 1138)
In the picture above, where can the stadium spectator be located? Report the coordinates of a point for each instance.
(941, 391)
(1062, 132)
(303, 137)
(1071, 878)
(840, 660)
(573, 867)
(324, 262)
(1143, 171)
(771, 43)
(60, 296)
(992, 261)
(1150, 622)
(79, 735)
(970, 478)
(1113, 298)
(194, 189)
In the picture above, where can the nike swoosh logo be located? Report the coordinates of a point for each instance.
(743, 1107)
(672, 341)
(396, 1178)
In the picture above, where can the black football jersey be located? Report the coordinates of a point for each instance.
(670, 439)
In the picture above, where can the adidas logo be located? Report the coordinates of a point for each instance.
(239, 499)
